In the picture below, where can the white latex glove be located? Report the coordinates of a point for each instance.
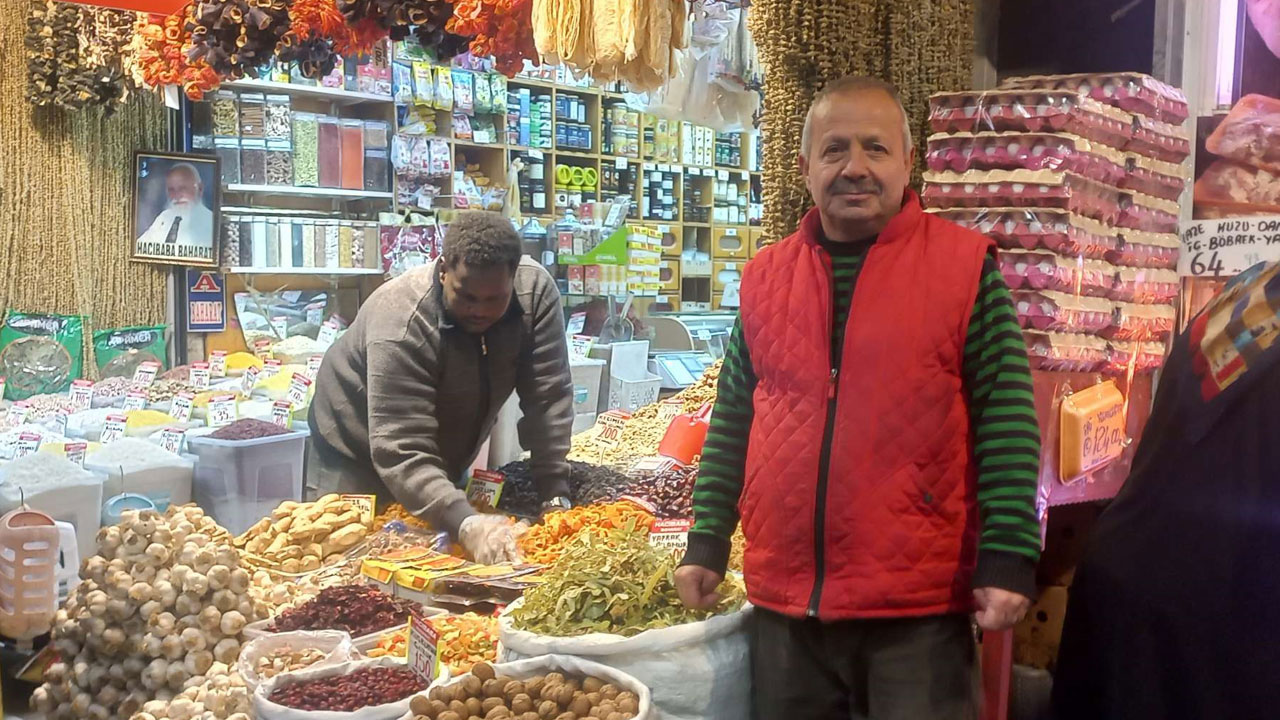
(491, 539)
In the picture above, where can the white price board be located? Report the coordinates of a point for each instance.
(76, 451)
(671, 535)
(484, 487)
(423, 640)
(223, 410)
(28, 443)
(135, 400)
(200, 375)
(611, 424)
(271, 367)
(146, 374)
(81, 395)
(18, 413)
(113, 429)
(280, 411)
(181, 409)
(299, 386)
(328, 333)
(218, 363)
(1228, 247)
(171, 439)
(249, 379)
(313, 365)
(668, 410)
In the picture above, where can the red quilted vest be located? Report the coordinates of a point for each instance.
(899, 512)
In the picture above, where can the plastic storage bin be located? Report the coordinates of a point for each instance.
(78, 503)
(586, 385)
(164, 484)
(329, 152)
(241, 481)
(631, 395)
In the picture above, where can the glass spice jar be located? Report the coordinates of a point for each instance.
(279, 163)
(329, 148)
(377, 134)
(253, 115)
(278, 124)
(377, 171)
(352, 154)
(224, 114)
(253, 161)
(306, 145)
(228, 151)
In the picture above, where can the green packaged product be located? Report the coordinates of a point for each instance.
(39, 353)
(119, 352)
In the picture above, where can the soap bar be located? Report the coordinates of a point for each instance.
(1091, 430)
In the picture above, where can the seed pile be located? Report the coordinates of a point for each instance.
(248, 429)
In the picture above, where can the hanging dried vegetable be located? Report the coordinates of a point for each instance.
(236, 36)
(318, 34)
(425, 19)
(158, 56)
(615, 582)
(55, 76)
(501, 28)
(628, 40)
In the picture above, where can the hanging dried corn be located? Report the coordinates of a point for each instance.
(924, 46)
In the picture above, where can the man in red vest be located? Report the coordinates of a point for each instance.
(876, 434)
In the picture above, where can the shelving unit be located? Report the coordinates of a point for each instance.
(329, 94)
(334, 272)
(317, 192)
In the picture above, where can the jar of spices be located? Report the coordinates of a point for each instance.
(279, 163)
(224, 114)
(253, 115)
(306, 145)
(278, 125)
(253, 161)
(329, 147)
(228, 151)
(377, 134)
(352, 148)
(377, 170)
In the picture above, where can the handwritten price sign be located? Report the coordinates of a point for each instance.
(218, 363)
(113, 429)
(1228, 247)
(485, 487)
(222, 410)
(611, 424)
(423, 641)
(81, 395)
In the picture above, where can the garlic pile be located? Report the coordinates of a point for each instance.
(150, 623)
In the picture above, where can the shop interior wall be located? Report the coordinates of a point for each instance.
(65, 200)
(1039, 37)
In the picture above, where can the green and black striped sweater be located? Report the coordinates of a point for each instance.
(1002, 413)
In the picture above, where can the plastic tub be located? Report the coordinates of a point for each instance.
(586, 374)
(164, 484)
(242, 481)
(114, 507)
(78, 503)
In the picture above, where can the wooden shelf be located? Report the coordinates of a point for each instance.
(318, 192)
(301, 271)
(336, 95)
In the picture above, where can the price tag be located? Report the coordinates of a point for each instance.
(199, 375)
(577, 322)
(484, 487)
(18, 413)
(280, 412)
(364, 505)
(113, 429)
(670, 535)
(145, 374)
(299, 386)
(743, 175)
(182, 405)
(722, 175)
(60, 423)
(262, 348)
(250, 379)
(620, 163)
(668, 410)
(3, 382)
(28, 443)
(76, 451)
(652, 465)
(423, 639)
(664, 229)
(218, 363)
(702, 334)
(580, 347)
(135, 400)
(271, 367)
(313, 365)
(1092, 430)
(222, 410)
(281, 326)
(731, 232)
(171, 439)
(81, 395)
(611, 424)
(328, 333)
(315, 314)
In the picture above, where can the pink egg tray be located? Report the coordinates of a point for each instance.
(1043, 270)
(1022, 188)
(1060, 231)
(1144, 286)
(1065, 352)
(1143, 212)
(1062, 312)
(1135, 248)
(1141, 322)
(1045, 111)
(1132, 92)
(1025, 151)
(1150, 356)
(1153, 177)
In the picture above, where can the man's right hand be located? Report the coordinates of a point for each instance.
(697, 586)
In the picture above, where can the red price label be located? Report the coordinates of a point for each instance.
(135, 400)
(146, 374)
(75, 452)
(222, 410)
(280, 411)
(271, 367)
(81, 395)
(671, 535)
(668, 410)
(423, 640)
(28, 443)
(328, 333)
(485, 487)
(200, 374)
(611, 424)
(313, 365)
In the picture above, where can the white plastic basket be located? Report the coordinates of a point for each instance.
(242, 481)
(631, 395)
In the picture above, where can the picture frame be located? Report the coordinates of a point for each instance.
(175, 210)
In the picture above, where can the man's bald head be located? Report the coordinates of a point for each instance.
(852, 85)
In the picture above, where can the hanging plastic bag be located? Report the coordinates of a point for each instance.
(119, 352)
(40, 353)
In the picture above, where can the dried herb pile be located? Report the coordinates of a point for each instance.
(616, 583)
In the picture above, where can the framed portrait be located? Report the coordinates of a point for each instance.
(175, 209)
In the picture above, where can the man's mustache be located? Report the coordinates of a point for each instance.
(844, 186)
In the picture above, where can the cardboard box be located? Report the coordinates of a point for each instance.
(730, 244)
(669, 275)
(1036, 638)
(591, 279)
(725, 273)
(754, 235)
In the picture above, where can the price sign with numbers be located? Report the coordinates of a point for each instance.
(363, 504)
(249, 380)
(222, 410)
(182, 404)
(280, 411)
(1227, 247)
(200, 375)
(313, 365)
(75, 452)
(281, 326)
(81, 395)
(484, 487)
(668, 410)
(423, 640)
(262, 348)
(580, 347)
(671, 535)
(146, 374)
(577, 322)
(60, 423)
(328, 333)
(611, 424)
(18, 413)
(171, 439)
(135, 400)
(218, 363)
(271, 367)
(28, 443)
(299, 386)
(113, 429)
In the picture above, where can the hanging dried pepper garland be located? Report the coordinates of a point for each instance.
(424, 20)
(158, 56)
(318, 34)
(236, 36)
(501, 28)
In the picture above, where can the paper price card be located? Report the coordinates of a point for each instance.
(271, 367)
(200, 375)
(423, 640)
(484, 487)
(75, 452)
(668, 410)
(249, 379)
(313, 365)
(222, 410)
(135, 400)
(299, 386)
(181, 409)
(113, 429)
(670, 535)
(580, 347)
(28, 443)
(3, 381)
(577, 322)
(281, 326)
(328, 333)
(218, 363)
(81, 395)
(280, 411)
(60, 423)
(145, 374)
(262, 348)
(364, 504)
(171, 439)
(18, 413)
(611, 424)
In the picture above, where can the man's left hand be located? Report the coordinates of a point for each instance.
(999, 609)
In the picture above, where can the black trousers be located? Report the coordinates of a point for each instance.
(895, 669)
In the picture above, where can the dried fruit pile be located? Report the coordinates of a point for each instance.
(588, 484)
(248, 429)
(466, 640)
(286, 659)
(367, 687)
(300, 537)
(670, 491)
(358, 609)
(547, 541)
(484, 693)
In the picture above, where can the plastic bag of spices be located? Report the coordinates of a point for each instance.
(120, 351)
(40, 353)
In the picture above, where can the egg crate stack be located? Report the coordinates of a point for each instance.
(1077, 179)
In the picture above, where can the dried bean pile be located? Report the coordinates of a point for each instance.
(587, 484)
(358, 609)
(369, 687)
(248, 429)
(670, 491)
